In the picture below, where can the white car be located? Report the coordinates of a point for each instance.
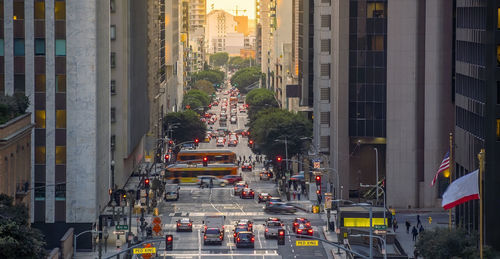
(205, 181)
(221, 142)
(234, 120)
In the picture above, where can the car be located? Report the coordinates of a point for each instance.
(273, 226)
(220, 142)
(263, 197)
(232, 179)
(246, 222)
(247, 193)
(280, 207)
(302, 229)
(234, 120)
(204, 181)
(238, 187)
(188, 146)
(246, 167)
(207, 138)
(213, 235)
(238, 131)
(184, 224)
(171, 192)
(265, 175)
(211, 122)
(238, 229)
(232, 143)
(271, 200)
(245, 239)
(298, 221)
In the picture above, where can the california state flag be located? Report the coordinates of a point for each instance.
(465, 188)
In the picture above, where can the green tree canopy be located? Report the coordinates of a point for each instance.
(204, 86)
(259, 99)
(12, 106)
(275, 124)
(239, 62)
(17, 239)
(188, 126)
(245, 77)
(219, 59)
(213, 76)
(196, 100)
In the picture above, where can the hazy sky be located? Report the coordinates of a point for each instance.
(230, 6)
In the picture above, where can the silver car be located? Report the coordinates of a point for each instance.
(184, 224)
(273, 225)
(213, 235)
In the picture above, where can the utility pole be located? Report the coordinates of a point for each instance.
(376, 170)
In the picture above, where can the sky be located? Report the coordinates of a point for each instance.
(230, 5)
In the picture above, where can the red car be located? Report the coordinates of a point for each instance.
(246, 167)
(299, 221)
(247, 193)
(232, 179)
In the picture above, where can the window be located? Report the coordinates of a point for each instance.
(112, 32)
(113, 114)
(498, 18)
(39, 10)
(40, 83)
(60, 47)
(39, 191)
(498, 129)
(18, 10)
(324, 142)
(325, 94)
(113, 87)
(2, 48)
(60, 194)
(325, 118)
(113, 59)
(61, 83)
(39, 47)
(40, 155)
(326, 2)
(326, 21)
(375, 10)
(40, 119)
(377, 43)
(19, 47)
(19, 83)
(325, 45)
(112, 6)
(325, 70)
(60, 155)
(60, 119)
(113, 142)
(60, 10)
(498, 55)
(498, 92)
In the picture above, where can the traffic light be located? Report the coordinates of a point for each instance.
(281, 237)
(250, 142)
(146, 183)
(169, 242)
(279, 159)
(170, 142)
(205, 161)
(196, 141)
(167, 157)
(318, 180)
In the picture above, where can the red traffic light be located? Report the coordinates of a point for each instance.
(167, 157)
(278, 158)
(318, 192)
(205, 159)
(318, 178)
(146, 182)
(196, 140)
(250, 141)
(170, 142)
(169, 238)
(281, 233)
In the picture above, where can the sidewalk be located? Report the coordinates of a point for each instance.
(332, 237)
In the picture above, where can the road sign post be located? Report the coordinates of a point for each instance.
(121, 227)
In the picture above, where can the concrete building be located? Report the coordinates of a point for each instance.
(197, 24)
(197, 14)
(263, 17)
(15, 162)
(242, 25)
(221, 34)
(477, 109)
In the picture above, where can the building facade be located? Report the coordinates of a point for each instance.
(221, 33)
(197, 24)
(477, 108)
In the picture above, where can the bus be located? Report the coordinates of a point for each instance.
(188, 173)
(220, 156)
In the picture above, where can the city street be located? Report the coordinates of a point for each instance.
(196, 203)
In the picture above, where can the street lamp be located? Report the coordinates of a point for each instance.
(376, 170)
(113, 174)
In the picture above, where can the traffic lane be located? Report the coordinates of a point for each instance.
(291, 250)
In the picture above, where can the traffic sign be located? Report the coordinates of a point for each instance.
(380, 227)
(306, 243)
(316, 165)
(121, 227)
(147, 250)
(156, 228)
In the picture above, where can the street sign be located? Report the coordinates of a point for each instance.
(121, 227)
(147, 250)
(380, 227)
(380, 232)
(306, 243)
(316, 164)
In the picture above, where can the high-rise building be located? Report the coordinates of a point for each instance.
(477, 109)
(197, 14)
(264, 28)
(221, 33)
(197, 24)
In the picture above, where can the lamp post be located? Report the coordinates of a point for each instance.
(113, 175)
(376, 170)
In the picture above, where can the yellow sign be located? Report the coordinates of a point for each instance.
(363, 222)
(306, 243)
(148, 250)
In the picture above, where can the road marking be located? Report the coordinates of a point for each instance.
(258, 238)
(199, 243)
(211, 201)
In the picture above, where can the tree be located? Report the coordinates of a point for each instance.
(204, 86)
(240, 63)
(275, 124)
(196, 100)
(246, 77)
(443, 243)
(219, 59)
(189, 126)
(259, 99)
(213, 76)
(12, 106)
(17, 239)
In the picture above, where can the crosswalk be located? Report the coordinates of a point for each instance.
(227, 214)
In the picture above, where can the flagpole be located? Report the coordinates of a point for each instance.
(481, 156)
(452, 165)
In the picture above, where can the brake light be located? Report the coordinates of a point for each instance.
(299, 230)
(244, 192)
(190, 224)
(204, 237)
(253, 239)
(250, 225)
(267, 230)
(310, 231)
(178, 224)
(238, 240)
(251, 192)
(308, 224)
(220, 237)
(295, 223)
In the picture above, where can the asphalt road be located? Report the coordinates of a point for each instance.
(196, 203)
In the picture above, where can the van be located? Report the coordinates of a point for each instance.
(171, 192)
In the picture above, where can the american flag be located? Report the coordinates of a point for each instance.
(444, 166)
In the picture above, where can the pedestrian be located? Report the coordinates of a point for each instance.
(418, 221)
(414, 232)
(298, 193)
(294, 192)
(394, 225)
(421, 229)
(211, 183)
(408, 225)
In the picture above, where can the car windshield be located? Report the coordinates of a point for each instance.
(184, 220)
(212, 231)
(245, 236)
(274, 224)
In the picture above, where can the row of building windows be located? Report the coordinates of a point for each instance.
(470, 122)
(59, 195)
(471, 87)
(19, 47)
(60, 155)
(470, 52)
(40, 83)
(367, 128)
(471, 18)
(40, 118)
